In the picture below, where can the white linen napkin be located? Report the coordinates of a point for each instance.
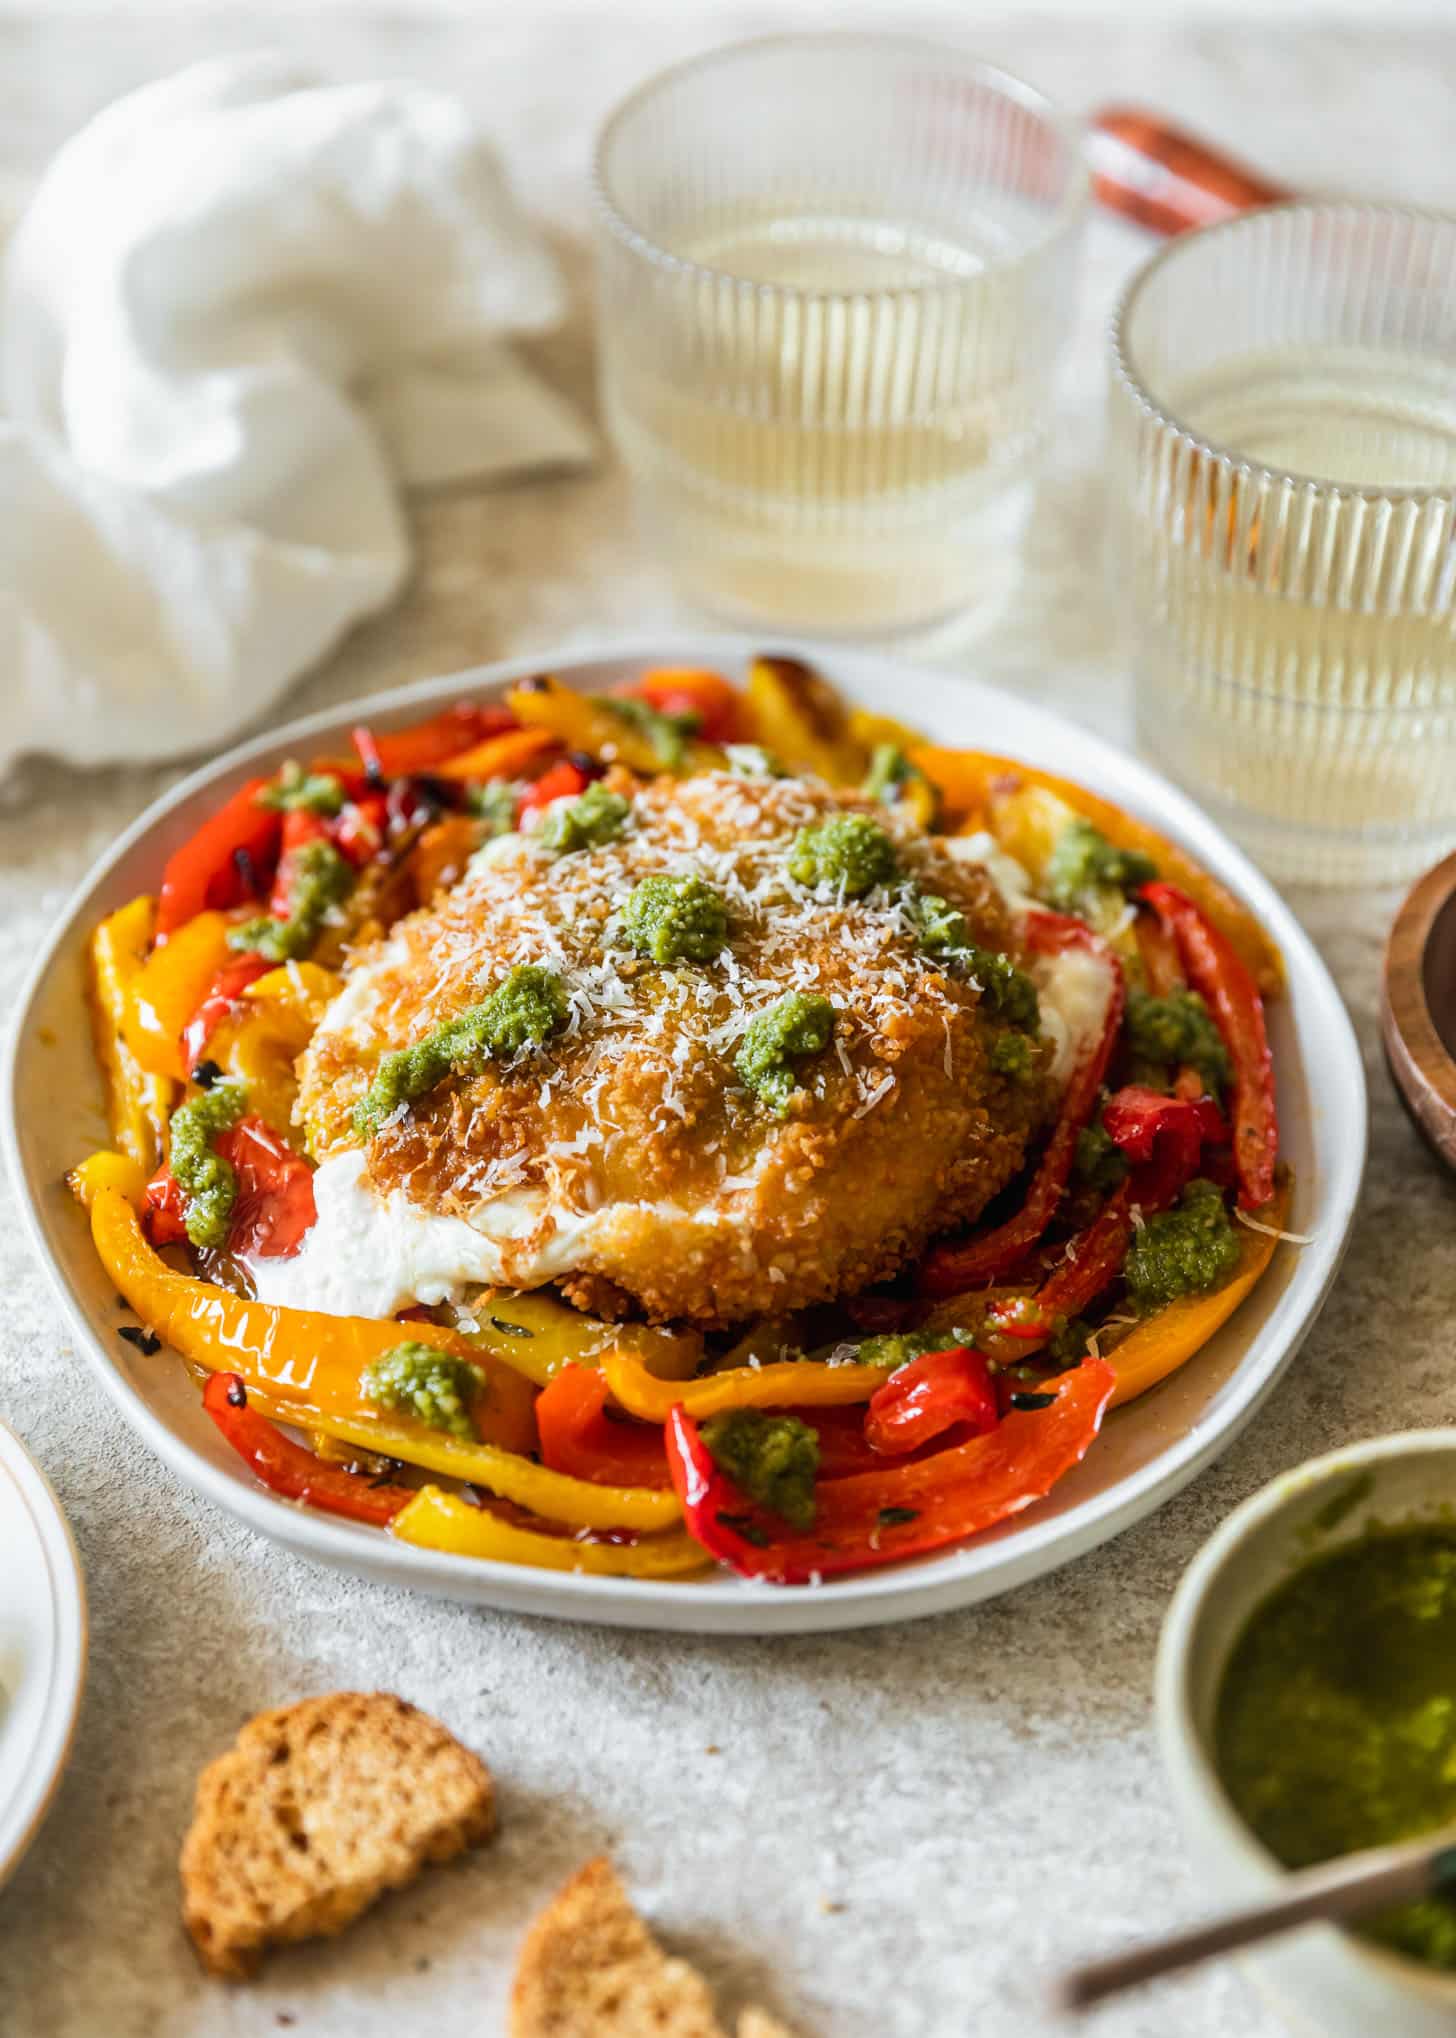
(242, 308)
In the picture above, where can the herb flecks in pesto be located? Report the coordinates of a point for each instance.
(944, 932)
(296, 791)
(848, 851)
(1335, 1728)
(494, 802)
(1184, 1251)
(523, 1011)
(774, 1458)
(800, 1023)
(1100, 1163)
(590, 821)
(675, 919)
(1011, 1056)
(896, 1348)
(893, 778)
(1084, 866)
(319, 878)
(209, 1184)
(1168, 1032)
(668, 734)
(434, 1387)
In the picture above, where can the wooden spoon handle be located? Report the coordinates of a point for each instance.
(1166, 179)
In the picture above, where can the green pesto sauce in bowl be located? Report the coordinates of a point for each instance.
(1336, 1722)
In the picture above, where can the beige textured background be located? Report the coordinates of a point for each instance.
(902, 1829)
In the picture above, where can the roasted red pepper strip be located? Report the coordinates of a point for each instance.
(229, 859)
(579, 1437)
(929, 1396)
(949, 1268)
(164, 1209)
(290, 1471)
(358, 832)
(275, 1204)
(563, 781)
(1222, 978)
(687, 690)
(430, 742)
(223, 994)
(300, 828)
(904, 1510)
(1093, 1261)
(1164, 1137)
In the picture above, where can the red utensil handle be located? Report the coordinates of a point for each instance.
(1166, 179)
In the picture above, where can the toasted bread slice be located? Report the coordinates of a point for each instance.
(315, 1811)
(589, 1968)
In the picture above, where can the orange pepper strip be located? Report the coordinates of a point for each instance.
(794, 1383)
(503, 756)
(169, 987)
(966, 780)
(1169, 1339)
(295, 1355)
(436, 1521)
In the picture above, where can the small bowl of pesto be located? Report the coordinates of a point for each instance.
(1306, 1697)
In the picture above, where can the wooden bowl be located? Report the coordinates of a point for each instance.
(1418, 1007)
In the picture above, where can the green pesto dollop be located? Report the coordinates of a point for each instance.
(800, 1023)
(1167, 1032)
(1011, 1055)
(1336, 1721)
(675, 919)
(892, 777)
(669, 734)
(944, 932)
(523, 1010)
(1084, 864)
(1067, 1345)
(849, 851)
(1183, 1251)
(209, 1184)
(296, 791)
(751, 760)
(591, 820)
(493, 801)
(899, 1347)
(319, 878)
(434, 1387)
(1099, 1163)
(774, 1458)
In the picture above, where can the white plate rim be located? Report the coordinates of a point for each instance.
(23, 1814)
(938, 1584)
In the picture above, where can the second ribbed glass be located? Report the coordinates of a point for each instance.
(835, 273)
(1283, 416)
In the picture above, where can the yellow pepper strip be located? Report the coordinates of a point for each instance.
(538, 1335)
(869, 730)
(299, 1355)
(114, 1171)
(436, 1521)
(581, 722)
(1168, 1340)
(970, 779)
(553, 1494)
(802, 722)
(795, 1383)
(168, 989)
(259, 1042)
(503, 756)
(304, 988)
(138, 1099)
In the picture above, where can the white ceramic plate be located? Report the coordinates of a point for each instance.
(42, 1647)
(1146, 1452)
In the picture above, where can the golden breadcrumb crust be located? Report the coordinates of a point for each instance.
(706, 1207)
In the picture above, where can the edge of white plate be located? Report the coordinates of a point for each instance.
(977, 1571)
(23, 1817)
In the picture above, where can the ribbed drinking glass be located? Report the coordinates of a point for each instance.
(835, 273)
(1283, 413)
